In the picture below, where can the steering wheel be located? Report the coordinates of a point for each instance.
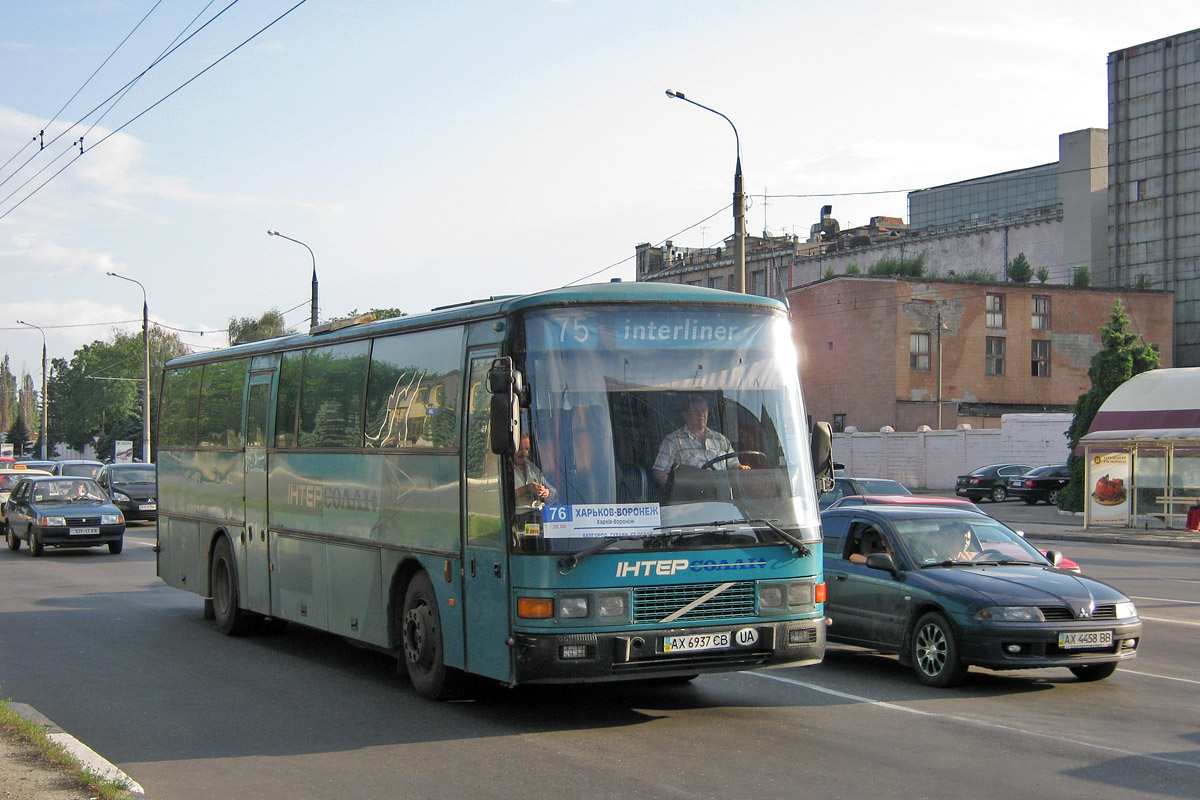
(995, 554)
(712, 462)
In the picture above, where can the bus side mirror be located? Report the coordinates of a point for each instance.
(505, 385)
(821, 445)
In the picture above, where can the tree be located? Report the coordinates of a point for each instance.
(249, 329)
(1043, 274)
(1082, 277)
(1122, 356)
(18, 436)
(98, 393)
(380, 313)
(1020, 270)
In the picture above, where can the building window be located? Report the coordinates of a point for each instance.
(918, 351)
(839, 423)
(1041, 313)
(994, 305)
(716, 282)
(758, 282)
(994, 352)
(1040, 358)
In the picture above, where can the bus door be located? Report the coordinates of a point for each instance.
(256, 569)
(485, 563)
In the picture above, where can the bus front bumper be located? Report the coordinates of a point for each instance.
(663, 653)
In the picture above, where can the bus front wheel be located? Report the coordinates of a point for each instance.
(421, 643)
(223, 583)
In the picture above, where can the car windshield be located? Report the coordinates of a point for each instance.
(942, 541)
(983, 470)
(7, 482)
(139, 473)
(609, 389)
(881, 487)
(1042, 472)
(82, 470)
(68, 490)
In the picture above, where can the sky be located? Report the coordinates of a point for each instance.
(435, 153)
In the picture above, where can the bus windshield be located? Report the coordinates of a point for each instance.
(647, 422)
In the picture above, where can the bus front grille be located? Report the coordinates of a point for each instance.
(652, 604)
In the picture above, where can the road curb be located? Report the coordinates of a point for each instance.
(78, 750)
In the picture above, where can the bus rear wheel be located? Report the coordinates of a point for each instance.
(223, 583)
(421, 648)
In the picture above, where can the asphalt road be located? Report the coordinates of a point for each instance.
(98, 644)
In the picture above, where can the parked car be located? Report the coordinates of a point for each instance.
(1040, 483)
(845, 486)
(9, 477)
(132, 487)
(77, 468)
(936, 500)
(948, 589)
(990, 481)
(54, 511)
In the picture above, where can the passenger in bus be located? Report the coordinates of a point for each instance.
(693, 445)
(532, 489)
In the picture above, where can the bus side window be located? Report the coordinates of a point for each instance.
(482, 465)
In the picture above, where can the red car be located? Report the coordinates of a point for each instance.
(929, 500)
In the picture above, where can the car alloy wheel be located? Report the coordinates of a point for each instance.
(935, 652)
(999, 494)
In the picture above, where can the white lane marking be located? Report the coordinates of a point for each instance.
(1172, 621)
(1167, 600)
(968, 721)
(1160, 677)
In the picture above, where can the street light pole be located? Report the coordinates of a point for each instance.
(739, 200)
(145, 368)
(314, 277)
(45, 400)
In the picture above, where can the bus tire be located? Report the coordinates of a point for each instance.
(223, 581)
(421, 647)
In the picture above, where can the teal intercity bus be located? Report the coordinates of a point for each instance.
(360, 479)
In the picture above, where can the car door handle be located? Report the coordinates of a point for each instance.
(839, 577)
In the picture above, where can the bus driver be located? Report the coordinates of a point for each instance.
(693, 445)
(532, 489)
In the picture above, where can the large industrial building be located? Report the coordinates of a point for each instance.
(1154, 176)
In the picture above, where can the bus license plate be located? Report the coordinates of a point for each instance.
(696, 642)
(1066, 641)
(85, 532)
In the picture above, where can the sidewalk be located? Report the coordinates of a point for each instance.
(1070, 528)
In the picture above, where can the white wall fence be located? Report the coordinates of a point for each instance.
(931, 460)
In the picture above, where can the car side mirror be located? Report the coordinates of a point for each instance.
(1054, 557)
(883, 561)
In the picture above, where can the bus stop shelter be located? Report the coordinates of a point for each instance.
(1142, 453)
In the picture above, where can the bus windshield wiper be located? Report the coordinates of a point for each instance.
(567, 563)
(802, 549)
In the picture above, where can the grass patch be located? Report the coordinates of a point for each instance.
(54, 754)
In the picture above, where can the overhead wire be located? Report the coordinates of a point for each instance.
(160, 101)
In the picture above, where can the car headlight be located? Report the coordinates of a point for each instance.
(1011, 614)
(1125, 610)
(572, 607)
(110, 519)
(120, 497)
(54, 522)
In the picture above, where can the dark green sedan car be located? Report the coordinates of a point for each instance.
(53, 511)
(948, 589)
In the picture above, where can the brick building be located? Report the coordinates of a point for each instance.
(871, 354)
